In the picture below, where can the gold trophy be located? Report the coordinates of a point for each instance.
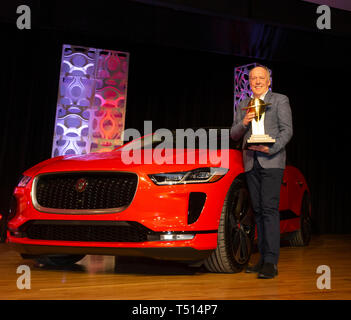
(258, 136)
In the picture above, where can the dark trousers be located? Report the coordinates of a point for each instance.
(264, 187)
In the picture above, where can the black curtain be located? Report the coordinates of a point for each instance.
(181, 75)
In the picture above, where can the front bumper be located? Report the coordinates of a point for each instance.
(160, 209)
(49, 237)
(172, 254)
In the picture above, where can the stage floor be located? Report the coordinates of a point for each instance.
(99, 277)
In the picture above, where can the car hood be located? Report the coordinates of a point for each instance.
(116, 161)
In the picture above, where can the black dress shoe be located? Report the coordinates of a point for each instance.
(254, 269)
(268, 271)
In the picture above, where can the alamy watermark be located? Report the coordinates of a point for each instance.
(324, 280)
(324, 20)
(24, 20)
(182, 146)
(24, 280)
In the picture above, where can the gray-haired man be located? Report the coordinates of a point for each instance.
(264, 167)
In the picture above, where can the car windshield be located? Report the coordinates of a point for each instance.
(203, 138)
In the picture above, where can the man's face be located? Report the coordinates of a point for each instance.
(259, 81)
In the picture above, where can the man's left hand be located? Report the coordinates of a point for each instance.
(260, 148)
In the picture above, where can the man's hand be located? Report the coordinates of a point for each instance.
(248, 118)
(260, 148)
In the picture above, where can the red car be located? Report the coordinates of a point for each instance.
(70, 206)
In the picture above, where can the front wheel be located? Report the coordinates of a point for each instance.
(235, 232)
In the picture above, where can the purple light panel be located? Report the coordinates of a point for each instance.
(91, 101)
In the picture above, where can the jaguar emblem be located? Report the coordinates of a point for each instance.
(81, 185)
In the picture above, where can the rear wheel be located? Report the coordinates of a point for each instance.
(60, 260)
(302, 236)
(235, 232)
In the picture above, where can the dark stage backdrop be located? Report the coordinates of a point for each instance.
(178, 81)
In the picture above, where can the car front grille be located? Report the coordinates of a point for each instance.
(79, 191)
(94, 231)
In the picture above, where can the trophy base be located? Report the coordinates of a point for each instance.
(260, 139)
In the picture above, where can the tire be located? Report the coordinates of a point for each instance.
(302, 236)
(235, 232)
(59, 260)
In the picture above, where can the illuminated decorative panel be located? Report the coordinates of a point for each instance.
(241, 83)
(91, 101)
(71, 130)
(110, 101)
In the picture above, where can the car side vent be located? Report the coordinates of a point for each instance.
(196, 204)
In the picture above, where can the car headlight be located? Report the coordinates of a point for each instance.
(23, 181)
(201, 175)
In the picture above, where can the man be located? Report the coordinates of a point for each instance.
(264, 167)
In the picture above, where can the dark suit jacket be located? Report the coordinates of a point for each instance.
(277, 123)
